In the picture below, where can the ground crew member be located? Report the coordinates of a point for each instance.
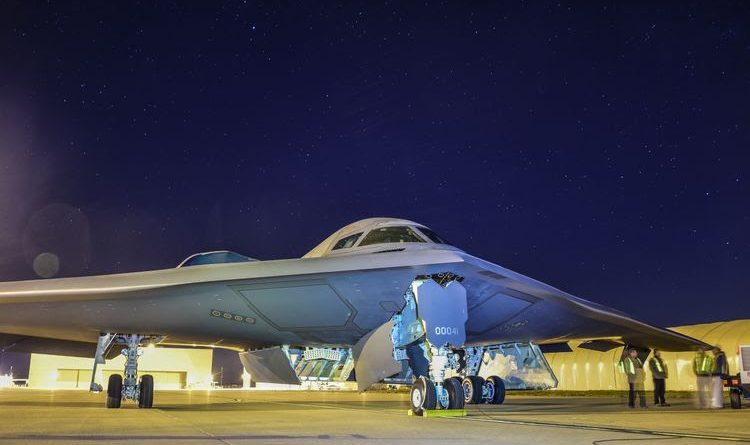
(659, 374)
(703, 365)
(633, 367)
(719, 372)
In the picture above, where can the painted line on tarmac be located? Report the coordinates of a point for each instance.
(600, 428)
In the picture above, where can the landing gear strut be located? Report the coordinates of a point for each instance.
(129, 387)
(430, 333)
(425, 333)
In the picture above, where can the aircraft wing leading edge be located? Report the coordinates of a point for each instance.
(504, 306)
(544, 314)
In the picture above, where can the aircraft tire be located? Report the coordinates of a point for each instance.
(472, 386)
(146, 396)
(422, 396)
(498, 396)
(455, 393)
(114, 391)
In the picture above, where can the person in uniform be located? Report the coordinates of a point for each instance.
(703, 365)
(719, 372)
(659, 374)
(633, 368)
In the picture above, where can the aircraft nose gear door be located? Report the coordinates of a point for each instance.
(427, 332)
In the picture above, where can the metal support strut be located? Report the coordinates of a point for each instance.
(130, 387)
(428, 332)
(102, 346)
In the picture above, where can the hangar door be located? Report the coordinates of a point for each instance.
(73, 378)
(81, 378)
(162, 379)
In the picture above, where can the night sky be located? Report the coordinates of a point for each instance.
(603, 148)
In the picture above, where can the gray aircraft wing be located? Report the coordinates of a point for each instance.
(22, 343)
(505, 306)
(334, 300)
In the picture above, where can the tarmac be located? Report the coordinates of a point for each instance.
(29, 416)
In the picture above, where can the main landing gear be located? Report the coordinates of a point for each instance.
(476, 389)
(129, 387)
(455, 393)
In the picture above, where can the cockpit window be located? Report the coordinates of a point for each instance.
(433, 236)
(397, 234)
(349, 241)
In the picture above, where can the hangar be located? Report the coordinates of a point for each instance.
(588, 370)
(172, 368)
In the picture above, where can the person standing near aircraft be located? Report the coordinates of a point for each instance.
(719, 372)
(703, 365)
(659, 374)
(633, 367)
